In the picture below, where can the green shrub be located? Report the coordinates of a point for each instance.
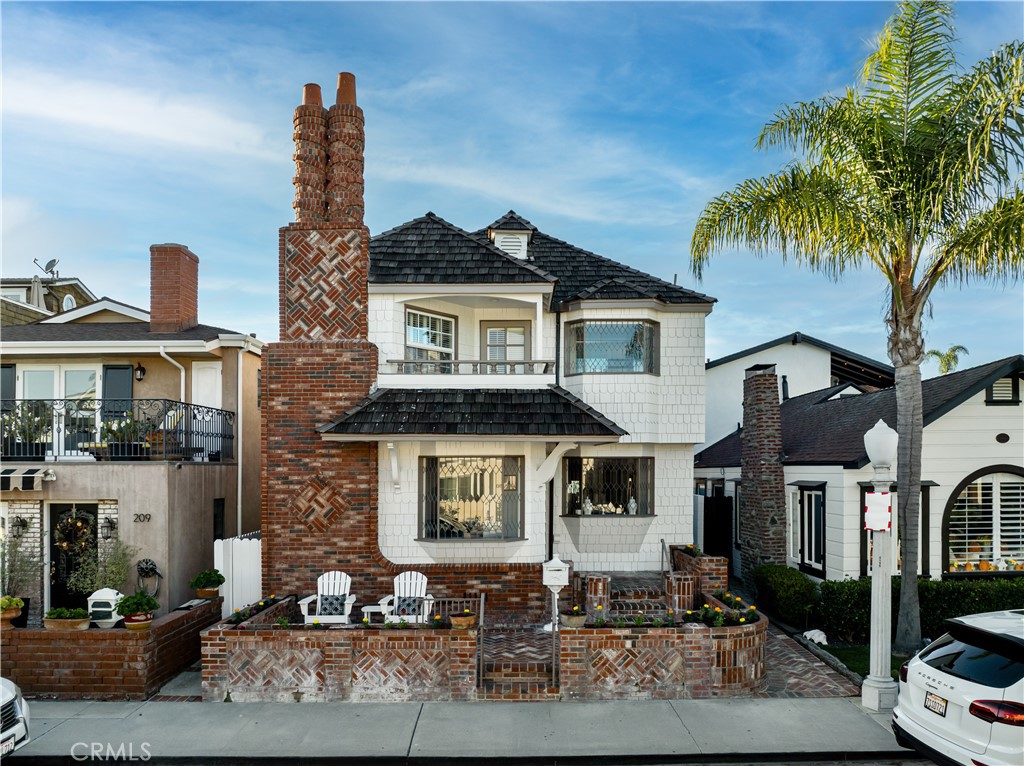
(945, 599)
(60, 613)
(844, 609)
(208, 578)
(138, 603)
(785, 593)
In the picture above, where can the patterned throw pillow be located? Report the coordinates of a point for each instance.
(406, 606)
(332, 605)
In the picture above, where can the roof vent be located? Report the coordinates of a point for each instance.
(513, 243)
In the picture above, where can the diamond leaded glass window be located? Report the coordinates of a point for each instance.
(471, 497)
(621, 347)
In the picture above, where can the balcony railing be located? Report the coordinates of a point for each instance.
(114, 429)
(471, 367)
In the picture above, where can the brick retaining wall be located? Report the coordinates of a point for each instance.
(113, 664)
(712, 572)
(691, 661)
(397, 665)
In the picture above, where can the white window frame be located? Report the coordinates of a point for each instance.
(429, 347)
(808, 528)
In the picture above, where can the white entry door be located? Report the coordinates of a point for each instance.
(207, 426)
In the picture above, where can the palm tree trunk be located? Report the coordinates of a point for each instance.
(906, 351)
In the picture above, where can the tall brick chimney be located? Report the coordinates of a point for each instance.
(320, 498)
(763, 500)
(173, 288)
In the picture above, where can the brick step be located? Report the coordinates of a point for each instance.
(637, 586)
(518, 671)
(521, 691)
(629, 608)
(638, 593)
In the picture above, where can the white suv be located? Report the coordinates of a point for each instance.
(962, 699)
(13, 718)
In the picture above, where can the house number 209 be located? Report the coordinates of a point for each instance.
(143, 517)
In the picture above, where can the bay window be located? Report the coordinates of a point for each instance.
(608, 486)
(611, 347)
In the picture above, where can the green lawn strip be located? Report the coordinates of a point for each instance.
(858, 658)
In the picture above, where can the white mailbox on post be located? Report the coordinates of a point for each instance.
(556, 574)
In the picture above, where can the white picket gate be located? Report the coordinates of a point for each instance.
(240, 560)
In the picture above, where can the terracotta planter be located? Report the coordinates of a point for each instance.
(6, 615)
(66, 626)
(207, 592)
(463, 621)
(572, 620)
(138, 621)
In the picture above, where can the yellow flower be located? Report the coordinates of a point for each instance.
(575, 608)
(671, 611)
(272, 596)
(753, 608)
(466, 611)
(743, 619)
(236, 608)
(718, 609)
(261, 603)
(600, 608)
(365, 619)
(316, 622)
(728, 595)
(707, 606)
(689, 611)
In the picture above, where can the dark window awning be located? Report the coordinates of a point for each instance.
(540, 414)
(24, 479)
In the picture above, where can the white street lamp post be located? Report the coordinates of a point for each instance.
(879, 690)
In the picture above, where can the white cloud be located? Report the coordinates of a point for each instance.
(112, 111)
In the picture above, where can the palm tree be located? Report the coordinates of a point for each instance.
(917, 173)
(948, 359)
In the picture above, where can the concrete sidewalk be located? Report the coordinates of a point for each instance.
(679, 731)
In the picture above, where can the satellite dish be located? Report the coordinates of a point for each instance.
(51, 265)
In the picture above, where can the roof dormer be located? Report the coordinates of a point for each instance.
(511, 234)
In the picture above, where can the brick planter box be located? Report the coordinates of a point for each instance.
(691, 661)
(712, 572)
(113, 664)
(256, 663)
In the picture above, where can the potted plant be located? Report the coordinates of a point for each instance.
(67, 620)
(20, 567)
(10, 608)
(137, 610)
(573, 618)
(102, 578)
(125, 437)
(25, 431)
(463, 621)
(207, 583)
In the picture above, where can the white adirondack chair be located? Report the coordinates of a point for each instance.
(333, 602)
(410, 601)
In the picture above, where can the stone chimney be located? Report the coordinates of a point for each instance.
(763, 500)
(173, 288)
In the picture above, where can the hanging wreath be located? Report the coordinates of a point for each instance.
(73, 534)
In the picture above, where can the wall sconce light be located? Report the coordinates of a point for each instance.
(49, 475)
(18, 527)
(108, 527)
(140, 372)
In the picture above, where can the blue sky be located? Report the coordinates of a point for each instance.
(608, 125)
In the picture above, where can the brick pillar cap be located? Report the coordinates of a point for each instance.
(311, 95)
(346, 88)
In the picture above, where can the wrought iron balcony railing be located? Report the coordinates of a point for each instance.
(471, 366)
(114, 429)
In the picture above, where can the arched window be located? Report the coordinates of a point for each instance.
(984, 525)
(69, 302)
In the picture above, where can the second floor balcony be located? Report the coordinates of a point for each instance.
(467, 373)
(88, 429)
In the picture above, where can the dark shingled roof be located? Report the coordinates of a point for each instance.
(429, 250)
(580, 272)
(452, 412)
(818, 430)
(105, 331)
(512, 221)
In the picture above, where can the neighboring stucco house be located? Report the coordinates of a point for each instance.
(30, 299)
(467, 404)
(972, 472)
(802, 363)
(140, 424)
